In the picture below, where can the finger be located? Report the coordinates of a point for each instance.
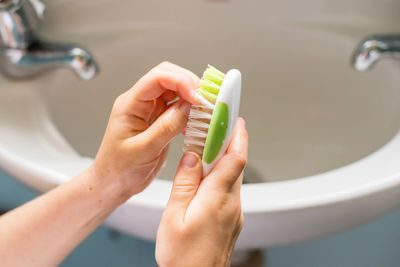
(237, 185)
(158, 109)
(166, 127)
(161, 161)
(240, 140)
(229, 168)
(186, 183)
(124, 105)
(169, 96)
(174, 67)
(132, 124)
(165, 77)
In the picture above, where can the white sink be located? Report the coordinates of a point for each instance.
(324, 140)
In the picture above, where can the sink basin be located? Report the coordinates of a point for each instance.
(324, 140)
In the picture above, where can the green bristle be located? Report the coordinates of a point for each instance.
(214, 75)
(209, 86)
(207, 94)
(211, 82)
(216, 71)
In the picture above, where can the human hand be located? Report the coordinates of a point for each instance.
(141, 125)
(203, 217)
(132, 151)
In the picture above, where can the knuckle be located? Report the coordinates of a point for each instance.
(229, 210)
(185, 231)
(235, 208)
(222, 202)
(160, 68)
(118, 101)
(237, 163)
(183, 185)
(164, 64)
(239, 160)
(157, 70)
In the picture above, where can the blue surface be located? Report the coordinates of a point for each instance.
(374, 244)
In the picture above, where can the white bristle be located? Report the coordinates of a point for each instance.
(204, 107)
(198, 124)
(190, 131)
(197, 127)
(195, 149)
(192, 141)
(198, 114)
(205, 103)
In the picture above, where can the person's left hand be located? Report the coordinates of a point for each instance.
(203, 217)
(141, 126)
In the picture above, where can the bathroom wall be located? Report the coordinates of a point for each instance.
(374, 244)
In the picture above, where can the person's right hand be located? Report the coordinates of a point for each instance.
(141, 125)
(203, 217)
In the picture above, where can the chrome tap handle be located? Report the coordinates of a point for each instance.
(18, 24)
(8, 4)
(375, 48)
(23, 54)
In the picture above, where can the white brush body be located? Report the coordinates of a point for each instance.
(229, 94)
(201, 114)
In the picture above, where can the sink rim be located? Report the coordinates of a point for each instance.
(293, 194)
(301, 208)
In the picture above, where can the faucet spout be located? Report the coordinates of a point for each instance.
(23, 54)
(375, 48)
(42, 56)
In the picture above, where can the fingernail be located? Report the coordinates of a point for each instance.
(189, 160)
(185, 107)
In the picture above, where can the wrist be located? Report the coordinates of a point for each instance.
(108, 191)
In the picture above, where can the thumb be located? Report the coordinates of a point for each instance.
(186, 183)
(168, 125)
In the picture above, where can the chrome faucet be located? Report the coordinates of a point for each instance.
(375, 48)
(23, 54)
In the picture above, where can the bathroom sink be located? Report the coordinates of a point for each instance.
(324, 139)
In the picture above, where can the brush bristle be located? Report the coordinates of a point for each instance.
(200, 115)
